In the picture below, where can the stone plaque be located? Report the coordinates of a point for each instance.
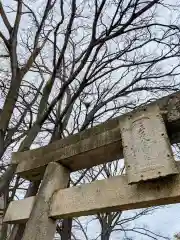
(146, 147)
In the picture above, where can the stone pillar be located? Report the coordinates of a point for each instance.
(39, 225)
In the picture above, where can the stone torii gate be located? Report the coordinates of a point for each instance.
(142, 137)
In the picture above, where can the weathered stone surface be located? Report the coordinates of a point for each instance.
(39, 225)
(82, 154)
(147, 150)
(94, 146)
(19, 210)
(112, 194)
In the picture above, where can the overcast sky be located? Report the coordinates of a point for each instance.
(165, 221)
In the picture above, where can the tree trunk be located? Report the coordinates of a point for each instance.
(105, 237)
(66, 229)
(105, 229)
(105, 234)
(4, 229)
(6, 177)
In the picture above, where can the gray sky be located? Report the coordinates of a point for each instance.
(165, 221)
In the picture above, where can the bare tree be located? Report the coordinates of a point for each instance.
(69, 65)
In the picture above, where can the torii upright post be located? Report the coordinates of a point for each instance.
(39, 225)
